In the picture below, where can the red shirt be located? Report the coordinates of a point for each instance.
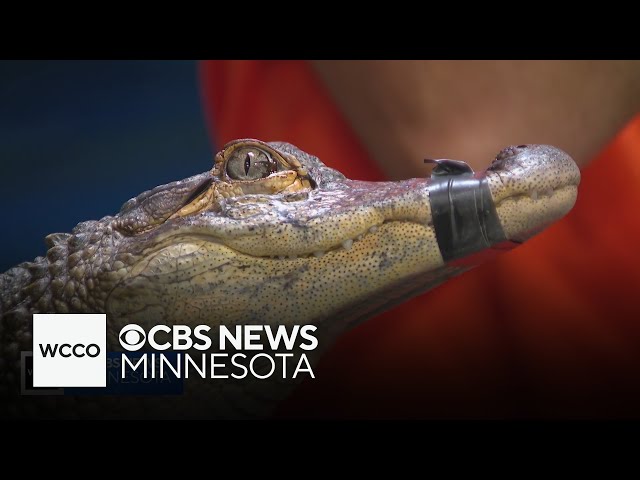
(551, 328)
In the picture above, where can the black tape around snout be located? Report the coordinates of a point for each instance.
(463, 212)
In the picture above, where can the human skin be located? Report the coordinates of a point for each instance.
(405, 110)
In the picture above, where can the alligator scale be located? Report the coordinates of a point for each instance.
(270, 236)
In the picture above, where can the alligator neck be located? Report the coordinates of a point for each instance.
(30, 288)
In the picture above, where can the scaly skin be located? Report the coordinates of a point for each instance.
(304, 245)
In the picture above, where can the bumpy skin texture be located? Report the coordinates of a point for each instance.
(301, 245)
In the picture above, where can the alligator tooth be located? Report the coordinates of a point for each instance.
(549, 192)
(534, 195)
(318, 254)
(293, 257)
(347, 244)
(281, 257)
(359, 237)
(373, 229)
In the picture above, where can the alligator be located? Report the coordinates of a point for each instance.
(270, 236)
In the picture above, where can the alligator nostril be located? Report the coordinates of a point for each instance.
(506, 153)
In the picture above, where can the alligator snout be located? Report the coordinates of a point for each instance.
(533, 169)
(532, 186)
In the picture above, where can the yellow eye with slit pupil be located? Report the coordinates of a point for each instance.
(250, 163)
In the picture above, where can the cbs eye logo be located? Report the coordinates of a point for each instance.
(132, 337)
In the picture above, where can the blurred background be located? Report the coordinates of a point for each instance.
(88, 135)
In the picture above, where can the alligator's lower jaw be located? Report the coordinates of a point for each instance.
(523, 216)
(198, 281)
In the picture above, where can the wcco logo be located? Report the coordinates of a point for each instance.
(78, 350)
(69, 350)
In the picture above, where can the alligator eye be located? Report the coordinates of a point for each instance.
(250, 163)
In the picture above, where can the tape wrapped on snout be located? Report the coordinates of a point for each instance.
(464, 215)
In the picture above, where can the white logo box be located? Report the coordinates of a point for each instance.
(69, 350)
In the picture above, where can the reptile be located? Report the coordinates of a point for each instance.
(269, 235)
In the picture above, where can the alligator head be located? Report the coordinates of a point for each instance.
(273, 236)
